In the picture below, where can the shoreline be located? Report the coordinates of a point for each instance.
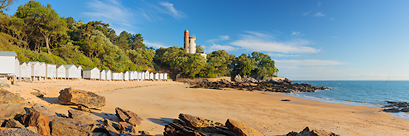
(160, 102)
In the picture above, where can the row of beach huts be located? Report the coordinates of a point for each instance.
(32, 70)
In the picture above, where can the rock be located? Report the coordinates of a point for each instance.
(10, 110)
(34, 129)
(197, 122)
(8, 97)
(38, 120)
(4, 84)
(288, 81)
(81, 117)
(241, 129)
(2, 122)
(111, 130)
(128, 116)
(79, 97)
(391, 110)
(405, 109)
(38, 94)
(287, 100)
(175, 129)
(69, 127)
(237, 78)
(312, 132)
(83, 108)
(12, 123)
(42, 109)
(17, 132)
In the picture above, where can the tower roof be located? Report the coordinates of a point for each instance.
(186, 30)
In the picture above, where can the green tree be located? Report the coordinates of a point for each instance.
(5, 4)
(221, 62)
(245, 65)
(43, 19)
(199, 49)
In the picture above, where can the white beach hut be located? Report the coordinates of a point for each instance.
(71, 71)
(156, 76)
(139, 76)
(79, 71)
(117, 76)
(160, 76)
(51, 71)
(146, 74)
(60, 70)
(126, 75)
(43, 70)
(35, 70)
(134, 75)
(131, 75)
(7, 60)
(25, 70)
(151, 77)
(102, 75)
(108, 75)
(165, 76)
(91, 73)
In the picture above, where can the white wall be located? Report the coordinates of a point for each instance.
(8, 65)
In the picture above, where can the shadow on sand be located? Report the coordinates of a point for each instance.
(51, 100)
(161, 121)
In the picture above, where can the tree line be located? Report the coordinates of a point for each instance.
(37, 33)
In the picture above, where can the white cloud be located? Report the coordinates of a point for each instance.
(296, 33)
(221, 38)
(281, 55)
(256, 41)
(171, 10)
(216, 47)
(306, 13)
(319, 14)
(308, 62)
(319, 4)
(154, 44)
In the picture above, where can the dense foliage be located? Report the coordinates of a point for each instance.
(37, 33)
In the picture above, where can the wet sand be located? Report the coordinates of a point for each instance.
(160, 102)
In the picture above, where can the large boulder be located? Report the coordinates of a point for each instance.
(241, 129)
(69, 127)
(312, 132)
(288, 81)
(17, 132)
(79, 97)
(38, 120)
(237, 78)
(10, 110)
(8, 97)
(128, 116)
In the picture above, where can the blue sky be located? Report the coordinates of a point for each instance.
(309, 40)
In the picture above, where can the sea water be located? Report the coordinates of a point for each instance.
(362, 93)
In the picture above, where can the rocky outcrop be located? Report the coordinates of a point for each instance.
(241, 129)
(312, 132)
(69, 127)
(197, 126)
(38, 120)
(12, 123)
(79, 116)
(128, 116)
(285, 86)
(288, 81)
(17, 132)
(394, 106)
(10, 110)
(8, 97)
(78, 97)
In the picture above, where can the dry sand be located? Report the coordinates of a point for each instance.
(160, 102)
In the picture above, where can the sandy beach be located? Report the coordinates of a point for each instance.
(160, 102)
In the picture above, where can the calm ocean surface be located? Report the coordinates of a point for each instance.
(363, 93)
